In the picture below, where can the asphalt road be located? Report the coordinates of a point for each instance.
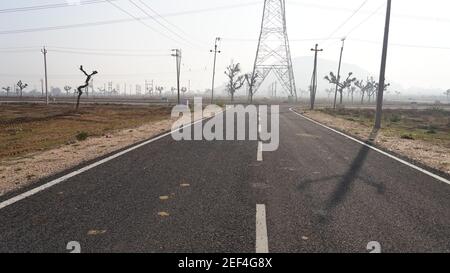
(319, 192)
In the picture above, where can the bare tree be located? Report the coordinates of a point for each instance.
(82, 87)
(250, 79)
(376, 87)
(160, 89)
(364, 88)
(102, 91)
(235, 81)
(7, 90)
(341, 85)
(447, 93)
(329, 92)
(351, 92)
(21, 86)
(67, 89)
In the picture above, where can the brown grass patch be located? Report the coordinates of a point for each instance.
(29, 128)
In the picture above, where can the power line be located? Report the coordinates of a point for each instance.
(167, 21)
(397, 15)
(402, 45)
(118, 21)
(108, 49)
(290, 40)
(51, 6)
(159, 23)
(107, 54)
(140, 21)
(366, 19)
(347, 20)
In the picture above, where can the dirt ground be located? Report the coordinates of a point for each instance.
(30, 128)
(37, 141)
(422, 136)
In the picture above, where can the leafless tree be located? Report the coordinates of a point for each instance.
(160, 89)
(342, 85)
(82, 87)
(364, 88)
(235, 81)
(7, 90)
(376, 87)
(67, 89)
(21, 87)
(250, 79)
(102, 91)
(447, 93)
(351, 92)
(329, 92)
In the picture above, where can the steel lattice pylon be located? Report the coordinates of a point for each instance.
(273, 52)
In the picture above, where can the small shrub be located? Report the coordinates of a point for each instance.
(395, 118)
(431, 132)
(82, 136)
(407, 136)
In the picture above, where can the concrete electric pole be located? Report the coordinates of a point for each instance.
(338, 74)
(314, 84)
(214, 67)
(177, 55)
(381, 85)
(44, 51)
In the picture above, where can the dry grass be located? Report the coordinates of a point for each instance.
(421, 135)
(431, 125)
(30, 128)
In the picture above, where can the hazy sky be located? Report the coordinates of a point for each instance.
(416, 27)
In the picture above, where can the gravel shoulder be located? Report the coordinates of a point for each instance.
(429, 154)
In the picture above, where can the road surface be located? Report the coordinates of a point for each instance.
(319, 192)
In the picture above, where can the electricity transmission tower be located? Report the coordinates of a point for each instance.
(273, 52)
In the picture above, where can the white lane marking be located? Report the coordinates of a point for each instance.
(262, 241)
(259, 156)
(435, 176)
(50, 184)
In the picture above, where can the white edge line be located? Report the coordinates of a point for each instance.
(435, 176)
(262, 241)
(52, 183)
(259, 156)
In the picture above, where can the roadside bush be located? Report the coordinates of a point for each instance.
(395, 118)
(407, 136)
(82, 136)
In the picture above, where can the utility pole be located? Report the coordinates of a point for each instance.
(314, 85)
(381, 84)
(338, 74)
(42, 87)
(44, 51)
(177, 55)
(214, 67)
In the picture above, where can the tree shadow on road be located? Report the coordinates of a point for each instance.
(345, 182)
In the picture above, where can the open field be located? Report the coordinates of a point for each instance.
(29, 128)
(432, 125)
(421, 135)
